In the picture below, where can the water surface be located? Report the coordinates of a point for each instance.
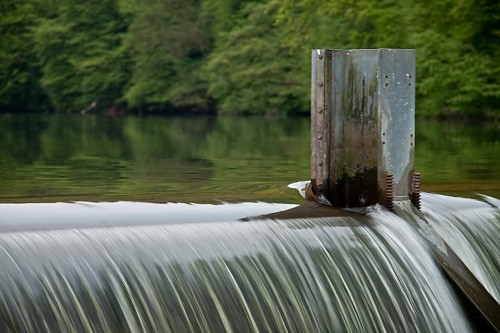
(50, 158)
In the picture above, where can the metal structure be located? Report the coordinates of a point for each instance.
(363, 144)
(363, 126)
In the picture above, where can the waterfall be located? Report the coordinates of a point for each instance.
(472, 229)
(335, 274)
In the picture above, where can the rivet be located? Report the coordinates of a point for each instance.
(320, 56)
(320, 84)
(320, 110)
(320, 137)
(320, 163)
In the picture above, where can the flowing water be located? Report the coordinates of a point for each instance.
(123, 266)
(315, 275)
(472, 230)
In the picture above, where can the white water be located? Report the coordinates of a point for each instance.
(472, 229)
(62, 215)
(312, 275)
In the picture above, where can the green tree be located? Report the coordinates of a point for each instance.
(19, 70)
(458, 52)
(246, 56)
(84, 63)
(221, 15)
(168, 42)
(457, 44)
(251, 68)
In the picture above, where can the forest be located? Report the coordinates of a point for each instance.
(236, 56)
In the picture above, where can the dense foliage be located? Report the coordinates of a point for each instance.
(235, 55)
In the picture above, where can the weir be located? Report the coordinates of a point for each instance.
(383, 259)
(299, 275)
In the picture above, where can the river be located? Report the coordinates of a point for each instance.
(51, 158)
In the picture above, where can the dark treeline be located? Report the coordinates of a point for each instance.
(235, 55)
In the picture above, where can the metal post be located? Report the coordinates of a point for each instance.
(363, 127)
(320, 118)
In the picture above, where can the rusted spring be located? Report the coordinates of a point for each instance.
(415, 194)
(389, 190)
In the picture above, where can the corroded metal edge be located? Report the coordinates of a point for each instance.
(320, 120)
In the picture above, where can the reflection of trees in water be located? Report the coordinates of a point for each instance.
(457, 152)
(135, 155)
(18, 139)
(207, 156)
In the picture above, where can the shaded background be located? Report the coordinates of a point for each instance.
(236, 56)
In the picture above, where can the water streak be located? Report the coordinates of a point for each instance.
(314, 275)
(473, 232)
